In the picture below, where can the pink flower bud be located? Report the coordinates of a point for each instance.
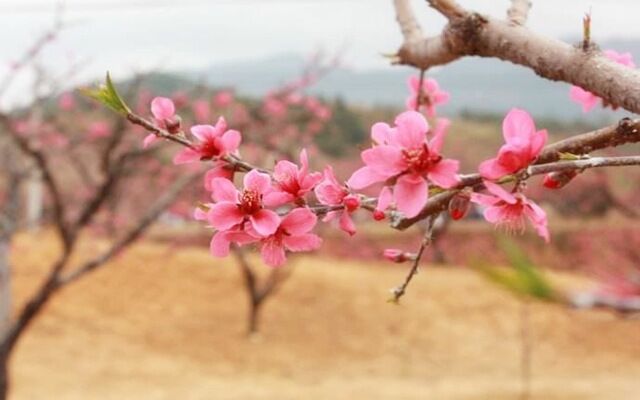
(459, 205)
(351, 202)
(395, 255)
(557, 180)
(173, 124)
(378, 215)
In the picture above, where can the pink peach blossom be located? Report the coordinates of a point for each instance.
(292, 183)
(511, 209)
(403, 154)
(164, 114)
(213, 141)
(431, 95)
(232, 208)
(523, 145)
(223, 98)
(292, 235)
(201, 110)
(331, 193)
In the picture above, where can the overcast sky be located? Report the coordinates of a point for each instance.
(119, 35)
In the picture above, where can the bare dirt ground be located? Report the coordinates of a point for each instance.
(168, 323)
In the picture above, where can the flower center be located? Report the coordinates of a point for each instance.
(289, 185)
(420, 160)
(209, 149)
(250, 201)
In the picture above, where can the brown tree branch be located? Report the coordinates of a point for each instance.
(473, 34)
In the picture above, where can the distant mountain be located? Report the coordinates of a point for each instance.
(478, 85)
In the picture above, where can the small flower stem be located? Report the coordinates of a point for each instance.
(427, 239)
(420, 83)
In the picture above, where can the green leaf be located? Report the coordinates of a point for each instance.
(522, 278)
(108, 95)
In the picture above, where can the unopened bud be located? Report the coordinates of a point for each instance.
(557, 180)
(378, 215)
(351, 202)
(459, 205)
(173, 124)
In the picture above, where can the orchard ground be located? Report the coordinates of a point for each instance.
(166, 321)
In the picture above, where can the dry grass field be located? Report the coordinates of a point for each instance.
(168, 323)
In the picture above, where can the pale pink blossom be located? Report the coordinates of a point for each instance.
(588, 100)
(201, 110)
(223, 98)
(523, 145)
(331, 193)
(213, 141)
(232, 207)
(99, 129)
(404, 155)
(511, 210)
(67, 101)
(396, 255)
(292, 183)
(431, 95)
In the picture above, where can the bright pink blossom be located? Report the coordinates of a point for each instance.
(523, 145)
(331, 193)
(431, 95)
(589, 100)
(291, 182)
(404, 154)
(511, 210)
(292, 235)
(232, 207)
(213, 141)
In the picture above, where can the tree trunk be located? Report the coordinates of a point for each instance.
(35, 201)
(5, 286)
(4, 377)
(253, 316)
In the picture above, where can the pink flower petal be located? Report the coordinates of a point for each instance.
(445, 173)
(231, 140)
(411, 193)
(162, 108)
(273, 253)
(186, 156)
(277, 198)
(412, 129)
(518, 127)
(224, 215)
(492, 169)
(484, 199)
(265, 222)
(381, 133)
(148, 140)
(384, 160)
(384, 198)
(439, 133)
(220, 244)
(346, 223)
(224, 190)
(304, 242)
(365, 177)
(499, 192)
(299, 221)
(203, 132)
(257, 181)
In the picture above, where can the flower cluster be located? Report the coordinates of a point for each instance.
(278, 209)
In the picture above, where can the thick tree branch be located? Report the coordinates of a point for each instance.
(473, 34)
